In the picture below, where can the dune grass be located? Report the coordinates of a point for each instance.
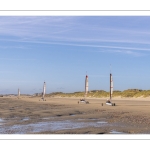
(101, 93)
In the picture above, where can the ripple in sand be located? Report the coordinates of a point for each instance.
(59, 115)
(71, 114)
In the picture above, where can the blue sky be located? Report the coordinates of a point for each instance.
(60, 49)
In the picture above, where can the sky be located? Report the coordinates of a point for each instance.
(61, 50)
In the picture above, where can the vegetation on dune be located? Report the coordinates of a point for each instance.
(101, 93)
(98, 93)
(117, 93)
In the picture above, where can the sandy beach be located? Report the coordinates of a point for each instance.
(28, 115)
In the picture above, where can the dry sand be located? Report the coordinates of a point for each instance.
(28, 115)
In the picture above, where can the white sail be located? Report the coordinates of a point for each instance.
(111, 86)
(44, 89)
(18, 92)
(109, 102)
(86, 84)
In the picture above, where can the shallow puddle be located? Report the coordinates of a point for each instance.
(116, 132)
(1, 120)
(93, 119)
(25, 119)
(48, 126)
(47, 118)
(103, 122)
(81, 119)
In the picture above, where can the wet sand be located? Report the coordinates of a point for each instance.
(28, 115)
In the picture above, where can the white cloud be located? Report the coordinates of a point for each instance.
(33, 26)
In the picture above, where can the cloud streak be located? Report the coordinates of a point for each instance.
(69, 29)
(41, 30)
(127, 50)
(82, 45)
(101, 48)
